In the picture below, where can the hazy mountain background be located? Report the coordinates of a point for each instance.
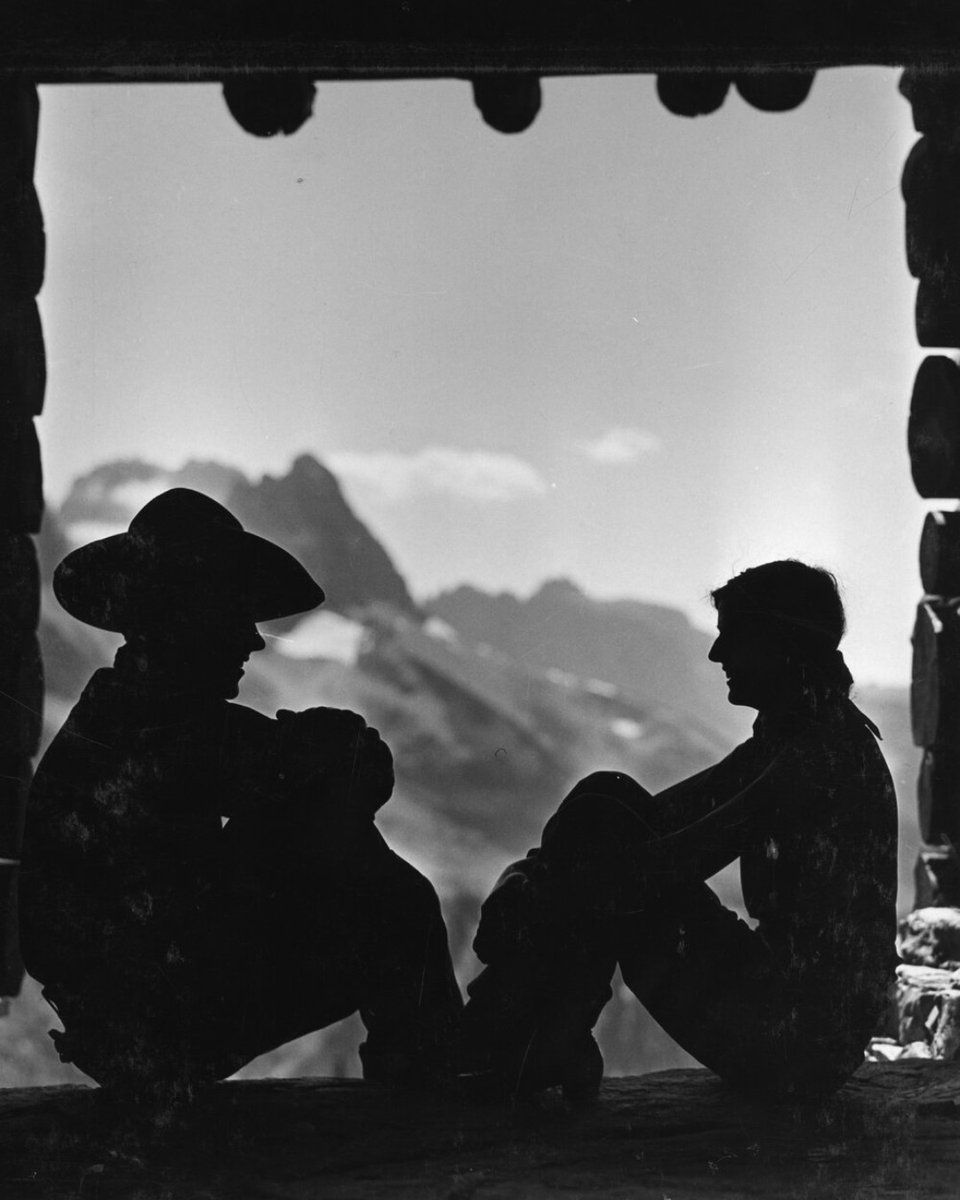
(493, 705)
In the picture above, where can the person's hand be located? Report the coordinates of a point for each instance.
(334, 749)
(368, 776)
(513, 910)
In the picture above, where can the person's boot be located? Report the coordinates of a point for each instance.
(418, 1048)
(563, 1052)
(526, 1030)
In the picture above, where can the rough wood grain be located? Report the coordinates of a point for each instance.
(938, 795)
(894, 1131)
(935, 680)
(940, 554)
(190, 40)
(933, 429)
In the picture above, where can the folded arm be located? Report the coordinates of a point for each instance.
(725, 807)
(319, 753)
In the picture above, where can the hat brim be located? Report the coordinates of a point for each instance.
(124, 582)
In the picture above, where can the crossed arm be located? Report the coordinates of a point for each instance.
(638, 847)
(319, 753)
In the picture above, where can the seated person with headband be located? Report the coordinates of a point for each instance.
(783, 1010)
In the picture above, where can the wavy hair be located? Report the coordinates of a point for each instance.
(802, 607)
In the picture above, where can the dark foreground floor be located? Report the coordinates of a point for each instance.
(894, 1131)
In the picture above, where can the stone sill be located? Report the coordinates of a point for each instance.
(893, 1131)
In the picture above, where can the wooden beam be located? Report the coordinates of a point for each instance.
(183, 40)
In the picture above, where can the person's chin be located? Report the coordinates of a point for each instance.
(230, 688)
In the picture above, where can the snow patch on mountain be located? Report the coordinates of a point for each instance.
(325, 635)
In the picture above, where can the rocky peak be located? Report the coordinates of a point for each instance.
(306, 512)
(557, 591)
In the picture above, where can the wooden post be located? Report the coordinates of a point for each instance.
(933, 431)
(931, 189)
(22, 382)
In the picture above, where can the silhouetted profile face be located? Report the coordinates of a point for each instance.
(204, 653)
(227, 645)
(753, 659)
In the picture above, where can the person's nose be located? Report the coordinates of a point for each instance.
(715, 652)
(256, 641)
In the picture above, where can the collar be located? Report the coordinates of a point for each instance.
(807, 714)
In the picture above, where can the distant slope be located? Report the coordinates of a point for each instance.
(649, 651)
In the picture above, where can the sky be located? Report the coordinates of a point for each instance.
(636, 350)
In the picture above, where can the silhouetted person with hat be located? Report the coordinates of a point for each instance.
(202, 883)
(785, 1009)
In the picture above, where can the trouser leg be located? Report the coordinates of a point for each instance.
(409, 999)
(722, 994)
(547, 980)
(315, 931)
(712, 983)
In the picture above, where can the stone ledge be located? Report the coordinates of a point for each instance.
(893, 1131)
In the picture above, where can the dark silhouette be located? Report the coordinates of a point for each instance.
(808, 806)
(177, 945)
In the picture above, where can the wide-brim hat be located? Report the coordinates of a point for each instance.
(183, 554)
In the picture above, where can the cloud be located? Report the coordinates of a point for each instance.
(135, 493)
(440, 470)
(621, 445)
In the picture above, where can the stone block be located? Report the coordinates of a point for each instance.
(930, 937)
(946, 1035)
(917, 1050)
(928, 1001)
(937, 878)
(883, 1049)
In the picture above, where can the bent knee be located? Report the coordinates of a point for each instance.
(609, 796)
(606, 810)
(414, 888)
(611, 783)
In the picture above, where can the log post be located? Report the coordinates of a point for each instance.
(931, 190)
(933, 430)
(22, 382)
